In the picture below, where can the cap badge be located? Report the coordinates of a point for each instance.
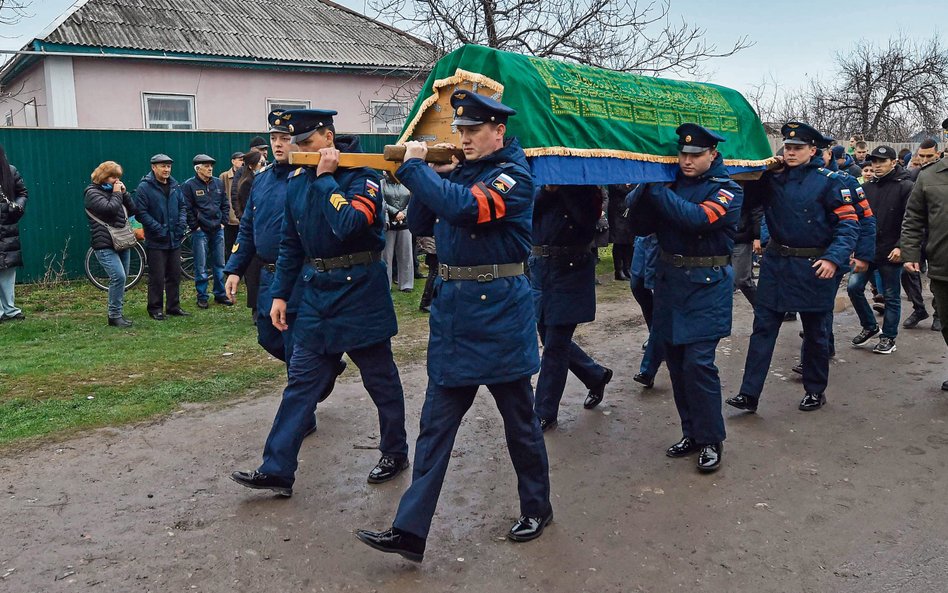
(792, 125)
(688, 138)
(290, 128)
(461, 110)
(792, 134)
(882, 151)
(276, 122)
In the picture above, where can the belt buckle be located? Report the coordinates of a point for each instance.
(347, 261)
(678, 260)
(443, 271)
(489, 276)
(784, 251)
(545, 251)
(319, 264)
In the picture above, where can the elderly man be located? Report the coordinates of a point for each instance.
(208, 210)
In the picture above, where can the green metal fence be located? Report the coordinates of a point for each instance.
(56, 164)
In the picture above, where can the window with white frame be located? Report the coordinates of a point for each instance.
(29, 112)
(8, 118)
(168, 112)
(286, 104)
(388, 117)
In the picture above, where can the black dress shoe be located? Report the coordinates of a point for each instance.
(812, 401)
(686, 446)
(914, 319)
(645, 380)
(936, 324)
(546, 425)
(332, 385)
(798, 369)
(709, 459)
(789, 316)
(202, 304)
(223, 301)
(178, 313)
(394, 541)
(425, 308)
(119, 322)
(157, 316)
(944, 386)
(595, 395)
(311, 429)
(387, 468)
(258, 481)
(742, 402)
(528, 528)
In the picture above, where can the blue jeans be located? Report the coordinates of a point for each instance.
(891, 277)
(202, 243)
(7, 285)
(115, 263)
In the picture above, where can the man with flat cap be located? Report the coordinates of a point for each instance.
(164, 217)
(331, 241)
(695, 219)
(483, 329)
(813, 231)
(208, 210)
(259, 241)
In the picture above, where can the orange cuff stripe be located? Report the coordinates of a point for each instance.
(361, 207)
(849, 217)
(867, 212)
(365, 201)
(722, 210)
(844, 209)
(713, 215)
(483, 209)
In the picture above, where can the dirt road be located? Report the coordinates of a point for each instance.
(851, 498)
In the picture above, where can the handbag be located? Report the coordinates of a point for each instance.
(123, 237)
(14, 210)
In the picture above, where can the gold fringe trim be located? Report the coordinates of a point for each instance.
(459, 77)
(632, 156)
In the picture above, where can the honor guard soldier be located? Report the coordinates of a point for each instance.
(331, 241)
(483, 330)
(563, 274)
(259, 240)
(695, 218)
(813, 230)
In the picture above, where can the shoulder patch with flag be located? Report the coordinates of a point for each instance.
(371, 187)
(847, 195)
(861, 193)
(725, 196)
(504, 183)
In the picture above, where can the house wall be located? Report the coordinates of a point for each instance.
(30, 85)
(109, 93)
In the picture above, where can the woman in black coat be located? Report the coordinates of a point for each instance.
(12, 204)
(107, 203)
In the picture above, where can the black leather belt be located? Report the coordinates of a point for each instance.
(265, 264)
(694, 261)
(479, 273)
(559, 250)
(786, 251)
(324, 264)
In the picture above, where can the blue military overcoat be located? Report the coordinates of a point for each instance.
(564, 287)
(259, 232)
(805, 207)
(328, 216)
(694, 217)
(645, 260)
(865, 248)
(480, 214)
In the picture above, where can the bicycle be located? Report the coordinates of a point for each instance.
(137, 265)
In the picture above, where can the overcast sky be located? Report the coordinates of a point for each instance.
(791, 44)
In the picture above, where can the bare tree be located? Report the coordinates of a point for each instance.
(884, 92)
(620, 35)
(14, 11)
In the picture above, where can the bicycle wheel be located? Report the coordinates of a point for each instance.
(136, 266)
(95, 272)
(187, 257)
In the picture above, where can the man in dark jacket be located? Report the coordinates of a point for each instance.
(927, 214)
(620, 234)
(163, 215)
(845, 162)
(208, 210)
(927, 155)
(746, 244)
(887, 194)
(12, 206)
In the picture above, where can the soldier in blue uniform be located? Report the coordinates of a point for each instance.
(259, 239)
(695, 218)
(331, 240)
(483, 330)
(813, 228)
(208, 210)
(563, 274)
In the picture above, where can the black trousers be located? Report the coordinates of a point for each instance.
(164, 279)
(622, 257)
(230, 237)
(431, 260)
(940, 290)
